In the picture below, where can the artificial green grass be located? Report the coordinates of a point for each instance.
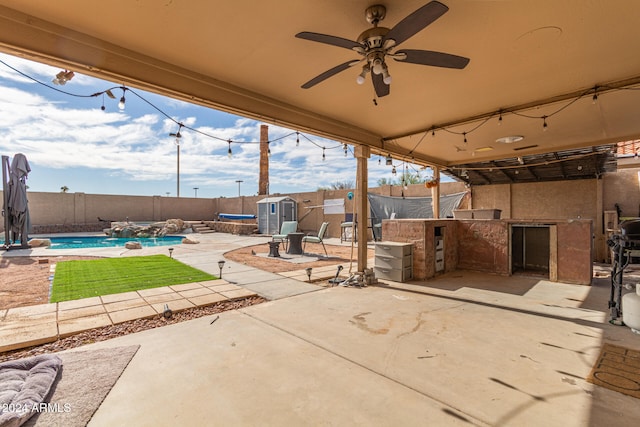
(90, 278)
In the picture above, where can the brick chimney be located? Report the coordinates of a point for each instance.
(263, 184)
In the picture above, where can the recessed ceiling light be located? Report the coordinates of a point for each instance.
(510, 139)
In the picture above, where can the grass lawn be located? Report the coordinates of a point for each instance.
(90, 278)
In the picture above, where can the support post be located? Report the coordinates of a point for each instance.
(362, 176)
(435, 193)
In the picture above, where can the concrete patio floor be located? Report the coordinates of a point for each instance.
(464, 349)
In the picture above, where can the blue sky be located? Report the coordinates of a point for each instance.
(70, 141)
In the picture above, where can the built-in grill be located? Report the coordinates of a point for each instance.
(622, 246)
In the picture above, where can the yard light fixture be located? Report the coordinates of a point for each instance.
(221, 266)
(170, 252)
(308, 270)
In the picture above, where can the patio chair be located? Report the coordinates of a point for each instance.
(317, 239)
(286, 228)
(347, 223)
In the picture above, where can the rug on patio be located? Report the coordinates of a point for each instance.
(617, 368)
(87, 377)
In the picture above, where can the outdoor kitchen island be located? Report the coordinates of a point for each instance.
(555, 250)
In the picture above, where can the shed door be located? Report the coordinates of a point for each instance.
(288, 211)
(272, 217)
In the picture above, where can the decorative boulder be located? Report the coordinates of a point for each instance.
(189, 241)
(133, 245)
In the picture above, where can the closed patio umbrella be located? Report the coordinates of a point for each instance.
(17, 204)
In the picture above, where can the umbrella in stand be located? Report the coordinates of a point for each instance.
(17, 204)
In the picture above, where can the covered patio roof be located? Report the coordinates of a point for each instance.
(560, 74)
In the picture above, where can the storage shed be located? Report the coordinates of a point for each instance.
(273, 211)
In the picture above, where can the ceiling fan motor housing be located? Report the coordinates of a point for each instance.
(373, 38)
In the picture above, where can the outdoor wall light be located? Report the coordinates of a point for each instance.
(170, 252)
(308, 270)
(221, 266)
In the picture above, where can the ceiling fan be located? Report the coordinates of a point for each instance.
(376, 45)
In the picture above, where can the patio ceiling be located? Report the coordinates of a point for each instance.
(529, 59)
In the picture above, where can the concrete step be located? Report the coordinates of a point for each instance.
(201, 228)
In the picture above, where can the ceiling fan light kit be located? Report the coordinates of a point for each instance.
(375, 45)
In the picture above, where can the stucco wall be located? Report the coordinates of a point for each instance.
(622, 188)
(540, 200)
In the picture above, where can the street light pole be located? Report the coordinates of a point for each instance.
(239, 181)
(178, 166)
(196, 190)
(178, 136)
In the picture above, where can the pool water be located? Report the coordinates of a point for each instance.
(78, 242)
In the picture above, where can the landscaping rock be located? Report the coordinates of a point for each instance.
(157, 229)
(189, 241)
(37, 243)
(133, 245)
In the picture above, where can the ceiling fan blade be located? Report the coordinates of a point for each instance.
(416, 21)
(382, 89)
(435, 59)
(332, 40)
(335, 70)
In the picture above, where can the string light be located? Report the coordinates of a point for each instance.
(393, 171)
(268, 150)
(389, 160)
(323, 156)
(346, 149)
(465, 137)
(229, 152)
(122, 100)
(67, 75)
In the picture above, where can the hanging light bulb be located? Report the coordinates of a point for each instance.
(323, 156)
(345, 148)
(594, 99)
(389, 160)
(297, 139)
(544, 123)
(465, 137)
(229, 153)
(393, 170)
(433, 132)
(500, 119)
(122, 100)
(268, 151)
(379, 160)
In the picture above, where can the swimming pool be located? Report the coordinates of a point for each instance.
(78, 242)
